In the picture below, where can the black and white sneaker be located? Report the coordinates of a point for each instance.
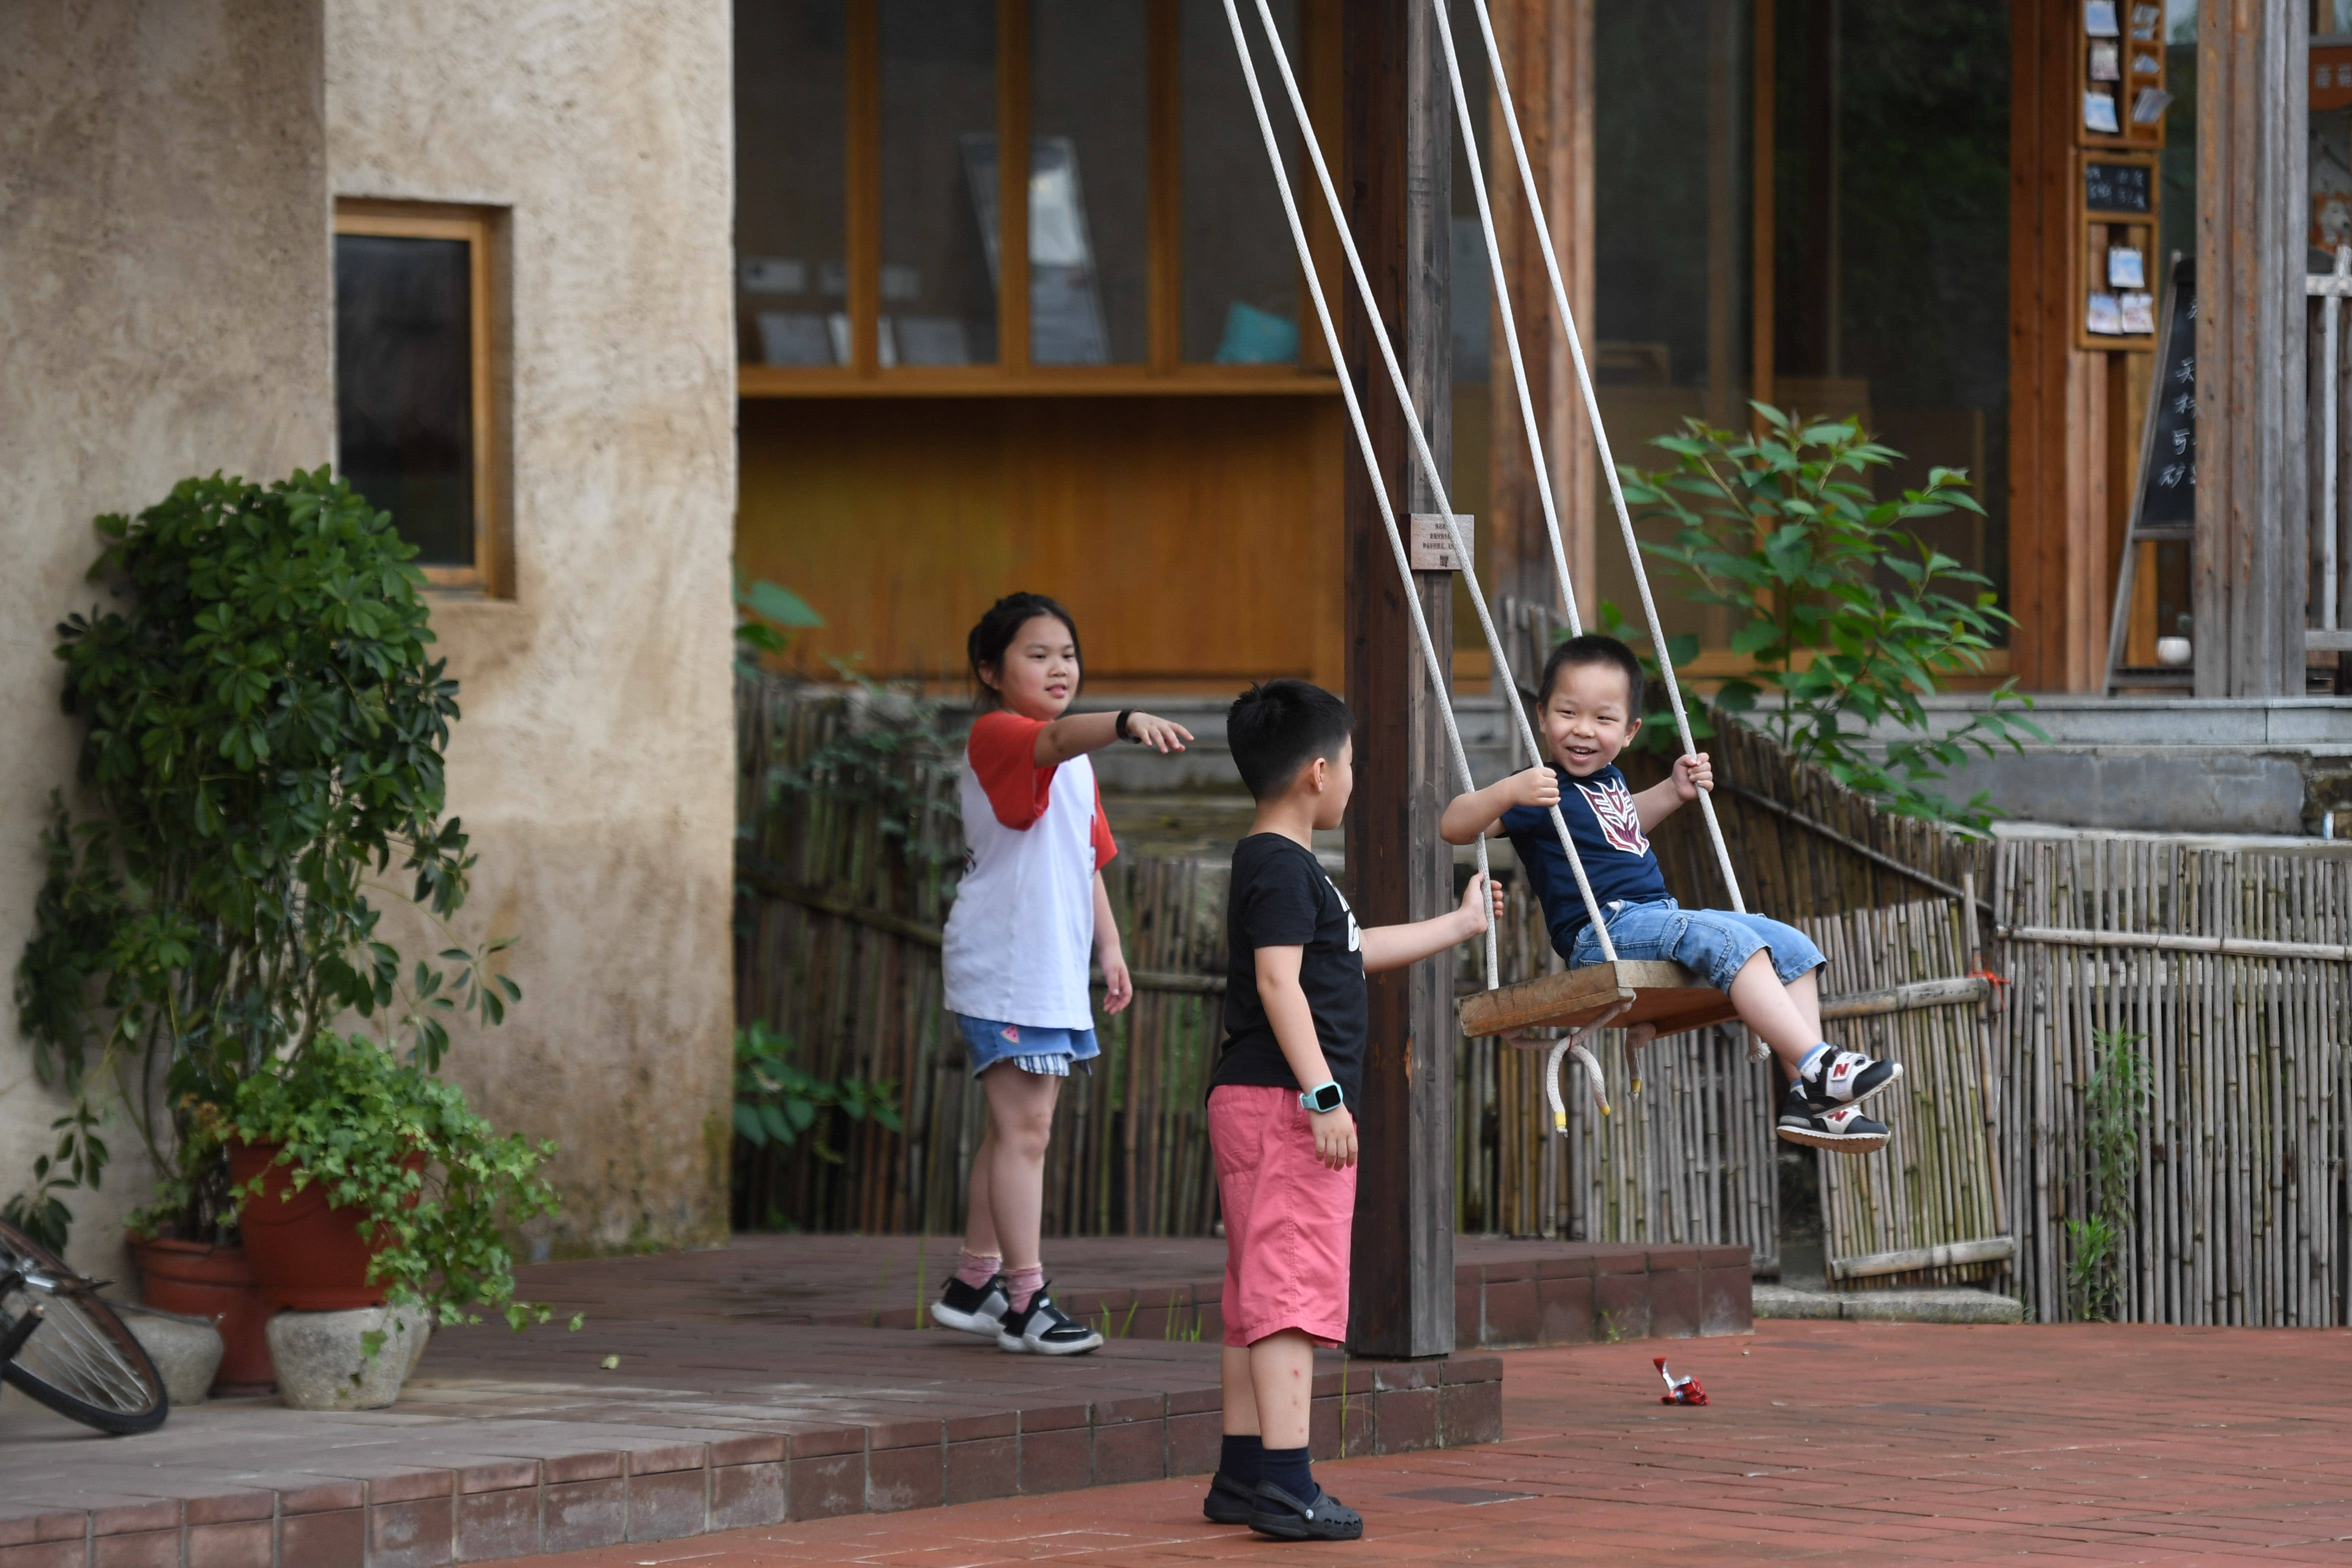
(1844, 1128)
(1044, 1330)
(974, 1309)
(1229, 1501)
(1286, 1518)
(1848, 1078)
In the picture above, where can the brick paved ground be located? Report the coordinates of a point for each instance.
(1826, 1443)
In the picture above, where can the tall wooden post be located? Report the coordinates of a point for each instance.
(1547, 47)
(1399, 153)
(2251, 557)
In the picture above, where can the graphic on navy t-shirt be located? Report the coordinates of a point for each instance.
(1613, 806)
(1606, 823)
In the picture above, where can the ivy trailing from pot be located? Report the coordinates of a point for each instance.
(425, 1179)
(264, 748)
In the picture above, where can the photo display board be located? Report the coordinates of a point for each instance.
(2114, 248)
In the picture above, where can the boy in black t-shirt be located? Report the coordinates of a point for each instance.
(1592, 708)
(1282, 1098)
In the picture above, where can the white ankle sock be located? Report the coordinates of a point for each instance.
(1812, 1059)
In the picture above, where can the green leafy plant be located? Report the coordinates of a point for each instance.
(1850, 617)
(780, 1103)
(766, 609)
(75, 1164)
(265, 730)
(2114, 1104)
(434, 1183)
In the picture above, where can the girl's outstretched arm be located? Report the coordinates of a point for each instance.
(1079, 733)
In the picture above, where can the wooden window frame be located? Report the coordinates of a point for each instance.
(490, 576)
(1163, 370)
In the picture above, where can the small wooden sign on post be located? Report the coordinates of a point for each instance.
(1429, 548)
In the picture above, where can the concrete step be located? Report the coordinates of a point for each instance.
(1921, 1306)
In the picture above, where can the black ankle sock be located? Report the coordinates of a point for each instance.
(1243, 1459)
(1288, 1468)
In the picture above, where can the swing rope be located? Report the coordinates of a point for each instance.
(1439, 677)
(1584, 385)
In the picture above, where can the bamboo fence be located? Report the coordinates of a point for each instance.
(2235, 966)
(844, 890)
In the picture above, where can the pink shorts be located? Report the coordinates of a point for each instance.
(1289, 1217)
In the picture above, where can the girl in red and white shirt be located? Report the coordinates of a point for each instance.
(1016, 960)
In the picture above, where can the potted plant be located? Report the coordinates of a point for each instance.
(265, 729)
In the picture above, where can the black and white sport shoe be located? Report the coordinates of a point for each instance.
(1286, 1518)
(1848, 1078)
(1229, 1501)
(974, 1309)
(1043, 1329)
(1804, 1119)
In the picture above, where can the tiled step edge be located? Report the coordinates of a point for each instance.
(1599, 1296)
(524, 1507)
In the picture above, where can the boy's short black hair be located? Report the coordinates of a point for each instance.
(1592, 648)
(1277, 727)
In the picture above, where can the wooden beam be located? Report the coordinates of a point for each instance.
(2250, 562)
(1013, 184)
(1396, 118)
(1546, 48)
(1764, 106)
(862, 245)
(1951, 1255)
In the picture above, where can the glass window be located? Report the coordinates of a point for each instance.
(1089, 187)
(1672, 282)
(1917, 306)
(405, 386)
(1241, 274)
(938, 183)
(790, 169)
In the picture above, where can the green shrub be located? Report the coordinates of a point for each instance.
(1848, 615)
(264, 724)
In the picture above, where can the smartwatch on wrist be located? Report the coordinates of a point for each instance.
(1120, 729)
(1325, 1098)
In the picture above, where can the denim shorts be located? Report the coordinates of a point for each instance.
(1033, 1047)
(1713, 943)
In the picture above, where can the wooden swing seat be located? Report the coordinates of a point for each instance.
(1667, 996)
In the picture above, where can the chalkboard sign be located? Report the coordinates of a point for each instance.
(2168, 481)
(2118, 187)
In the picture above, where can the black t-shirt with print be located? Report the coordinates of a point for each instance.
(1281, 898)
(1607, 827)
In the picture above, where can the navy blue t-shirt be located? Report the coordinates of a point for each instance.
(1603, 820)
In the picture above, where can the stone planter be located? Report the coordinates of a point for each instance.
(322, 1364)
(186, 1350)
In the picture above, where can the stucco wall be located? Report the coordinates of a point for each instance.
(162, 312)
(593, 763)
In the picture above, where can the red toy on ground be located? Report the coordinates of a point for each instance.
(1679, 1390)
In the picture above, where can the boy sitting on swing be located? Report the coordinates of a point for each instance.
(1591, 709)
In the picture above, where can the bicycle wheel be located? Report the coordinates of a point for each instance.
(82, 1361)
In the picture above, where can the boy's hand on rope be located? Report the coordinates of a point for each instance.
(1161, 735)
(1335, 1136)
(1692, 774)
(1481, 901)
(1538, 787)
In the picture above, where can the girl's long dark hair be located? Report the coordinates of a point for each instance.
(995, 631)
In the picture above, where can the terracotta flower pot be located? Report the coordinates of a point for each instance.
(215, 1283)
(307, 1254)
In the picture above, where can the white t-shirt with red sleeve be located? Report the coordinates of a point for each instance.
(1019, 940)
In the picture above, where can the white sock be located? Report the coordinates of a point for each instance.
(1811, 1058)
